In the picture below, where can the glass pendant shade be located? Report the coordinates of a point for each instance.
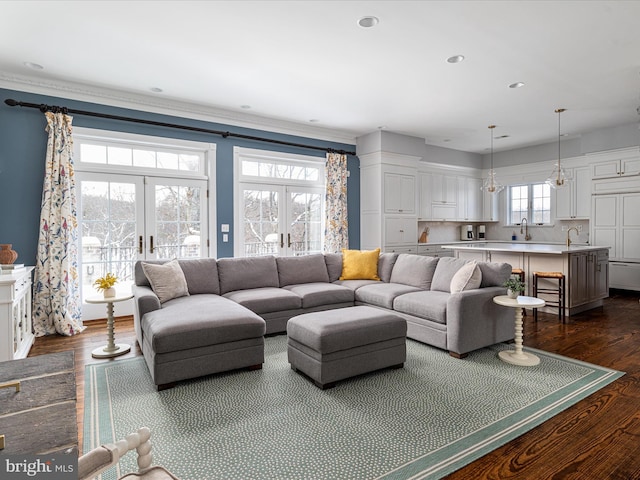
(558, 177)
(491, 184)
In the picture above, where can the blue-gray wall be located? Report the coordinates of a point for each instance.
(23, 146)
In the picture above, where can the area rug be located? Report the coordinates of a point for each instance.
(424, 421)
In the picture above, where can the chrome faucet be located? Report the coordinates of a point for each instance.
(568, 232)
(523, 222)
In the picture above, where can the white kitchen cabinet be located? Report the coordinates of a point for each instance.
(616, 223)
(444, 189)
(469, 202)
(438, 197)
(490, 206)
(396, 249)
(399, 193)
(424, 181)
(434, 250)
(574, 200)
(15, 315)
(623, 167)
(400, 231)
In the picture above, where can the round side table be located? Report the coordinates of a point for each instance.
(111, 349)
(518, 356)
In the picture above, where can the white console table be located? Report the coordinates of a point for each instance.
(16, 333)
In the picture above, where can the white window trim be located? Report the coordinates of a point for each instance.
(528, 216)
(243, 153)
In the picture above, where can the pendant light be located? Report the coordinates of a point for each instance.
(490, 184)
(558, 177)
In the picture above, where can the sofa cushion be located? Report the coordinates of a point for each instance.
(302, 269)
(198, 321)
(445, 270)
(334, 265)
(167, 280)
(201, 274)
(414, 270)
(355, 284)
(382, 294)
(245, 273)
(494, 274)
(360, 264)
(468, 277)
(265, 299)
(317, 294)
(430, 305)
(386, 263)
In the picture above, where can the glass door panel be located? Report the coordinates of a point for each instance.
(176, 222)
(111, 221)
(305, 221)
(261, 232)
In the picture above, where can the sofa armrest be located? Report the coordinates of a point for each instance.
(475, 321)
(144, 301)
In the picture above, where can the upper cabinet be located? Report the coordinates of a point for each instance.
(399, 193)
(624, 167)
(574, 201)
(444, 197)
(469, 199)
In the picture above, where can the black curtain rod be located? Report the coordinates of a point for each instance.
(52, 108)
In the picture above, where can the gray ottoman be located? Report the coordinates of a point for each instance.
(332, 345)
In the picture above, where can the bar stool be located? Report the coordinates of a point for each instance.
(560, 292)
(518, 272)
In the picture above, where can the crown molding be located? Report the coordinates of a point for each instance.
(164, 106)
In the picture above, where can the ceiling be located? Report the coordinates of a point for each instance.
(310, 63)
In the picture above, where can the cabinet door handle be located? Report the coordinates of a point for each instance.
(151, 244)
(140, 245)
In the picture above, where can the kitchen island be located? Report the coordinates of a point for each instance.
(586, 267)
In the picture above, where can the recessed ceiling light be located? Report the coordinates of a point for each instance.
(156, 89)
(446, 140)
(517, 85)
(455, 59)
(501, 137)
(384, 127)
(33, 66)
(314, 120)
(245, 107)
(368, 21)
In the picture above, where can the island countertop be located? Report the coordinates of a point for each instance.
(517, 247)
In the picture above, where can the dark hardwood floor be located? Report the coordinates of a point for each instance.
(596, 439)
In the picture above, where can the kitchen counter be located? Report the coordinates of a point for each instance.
(550, 248)
(585, 267)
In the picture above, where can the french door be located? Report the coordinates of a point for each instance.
(125, 218)
(279, 220)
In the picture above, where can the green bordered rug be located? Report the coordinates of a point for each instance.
(426, 420)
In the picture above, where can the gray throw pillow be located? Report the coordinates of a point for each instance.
(302, 269)
(167, 280)
(494, 274)
(414, 270)
(446, 269)
(243, 273)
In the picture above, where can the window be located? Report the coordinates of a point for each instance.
(279, 203)
(139, 198)
(531, 201)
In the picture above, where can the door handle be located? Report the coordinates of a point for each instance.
(282, 240)
(151, 244)
(140, 245)
(288, 240)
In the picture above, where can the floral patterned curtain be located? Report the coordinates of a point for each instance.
(56, 297)
(336, 233)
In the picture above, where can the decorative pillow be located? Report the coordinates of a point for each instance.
(167, 280)
(414, 270)
(360, 264)
(445, 270)
(469, 277)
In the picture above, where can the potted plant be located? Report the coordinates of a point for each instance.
(105, 284)
(514, 287)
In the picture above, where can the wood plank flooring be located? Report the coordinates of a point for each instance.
(596, 439)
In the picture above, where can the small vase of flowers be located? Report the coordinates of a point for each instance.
(105, 285)
(514, 287)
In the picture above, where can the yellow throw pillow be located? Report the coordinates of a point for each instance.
(360, 264)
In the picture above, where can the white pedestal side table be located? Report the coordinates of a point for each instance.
(518, 356)
(111, 349)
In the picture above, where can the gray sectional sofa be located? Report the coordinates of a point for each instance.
(218, 318)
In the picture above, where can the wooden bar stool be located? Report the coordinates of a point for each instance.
(518, 272)
(560, 292)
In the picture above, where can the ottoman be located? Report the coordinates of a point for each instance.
(333, 345)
